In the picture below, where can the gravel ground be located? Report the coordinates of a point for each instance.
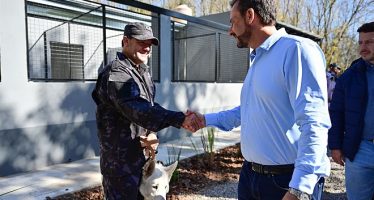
(225, 191)
(335, 184)
(334, 188)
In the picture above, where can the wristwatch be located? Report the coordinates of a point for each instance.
(299, 194)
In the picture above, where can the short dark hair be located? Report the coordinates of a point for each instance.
(367, 27)
(334, 65)
(266, 9)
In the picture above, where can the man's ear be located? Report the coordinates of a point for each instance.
(249, 16)
(125, 41)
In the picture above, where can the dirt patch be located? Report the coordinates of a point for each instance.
(198, 172)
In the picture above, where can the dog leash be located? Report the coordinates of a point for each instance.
(148, 147)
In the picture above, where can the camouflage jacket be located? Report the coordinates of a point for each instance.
(126, 110)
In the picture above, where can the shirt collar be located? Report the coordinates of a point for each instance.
(270, 41)
(252, 55)
(122, 56)
(369, 64)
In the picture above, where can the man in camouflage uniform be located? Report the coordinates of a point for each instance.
(126, 111)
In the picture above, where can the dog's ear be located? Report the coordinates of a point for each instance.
(171, 168)
(148, 168)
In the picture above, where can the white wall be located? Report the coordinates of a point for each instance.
(32, 103)
(31, 107)
(40, 123)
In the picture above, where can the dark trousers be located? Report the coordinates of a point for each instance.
(122, 188)
(254, 186)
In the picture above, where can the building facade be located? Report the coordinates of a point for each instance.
(50, 55)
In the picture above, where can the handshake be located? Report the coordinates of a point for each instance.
(193, 121)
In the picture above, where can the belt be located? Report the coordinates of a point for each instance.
(371, 140)
(272, 169)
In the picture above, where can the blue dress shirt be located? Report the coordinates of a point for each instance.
(283, 109)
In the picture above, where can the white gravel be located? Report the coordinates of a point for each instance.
(225, 191)
(334, 188)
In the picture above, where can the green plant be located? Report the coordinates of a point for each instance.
(175, 176)
(174, 155)
(197, 152)
(207, 139)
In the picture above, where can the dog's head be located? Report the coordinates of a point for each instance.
(155, 180)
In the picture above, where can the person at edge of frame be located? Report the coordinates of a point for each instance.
(351, 137)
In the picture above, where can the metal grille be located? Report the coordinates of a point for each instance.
(233, 62)
(66, 61)
(80, 27)
(154, 60)
(194, 53)
(206, 55)
(0, 64)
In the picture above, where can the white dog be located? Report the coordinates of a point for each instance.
(155, 180)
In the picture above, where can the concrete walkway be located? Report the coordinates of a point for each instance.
(65, 178)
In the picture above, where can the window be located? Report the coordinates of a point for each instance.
(0, 64)
(203, 54)
(194, 53)
(67, 40)
(66, 61)
(233, 61)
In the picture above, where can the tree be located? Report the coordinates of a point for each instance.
(335, 20)
(199, 7)
(171, 4)
(290, 11)
(208, 7)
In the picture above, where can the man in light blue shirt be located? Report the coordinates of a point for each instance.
(283, 109)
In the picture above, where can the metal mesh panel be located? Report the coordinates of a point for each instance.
(154, 60)
(205, 54)
(37, 42)
(113, 42)
(81, 24)
(194, 53)
(233, 62)
(0, 64)
(50, 40)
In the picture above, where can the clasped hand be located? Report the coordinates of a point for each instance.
(193, 121)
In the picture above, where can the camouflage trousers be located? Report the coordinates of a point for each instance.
(122, 188)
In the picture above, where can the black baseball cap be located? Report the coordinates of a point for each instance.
(140, 31)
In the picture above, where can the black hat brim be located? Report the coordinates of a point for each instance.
(143, 37)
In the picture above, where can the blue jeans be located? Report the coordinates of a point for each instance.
(359, 174)
(253, 185)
